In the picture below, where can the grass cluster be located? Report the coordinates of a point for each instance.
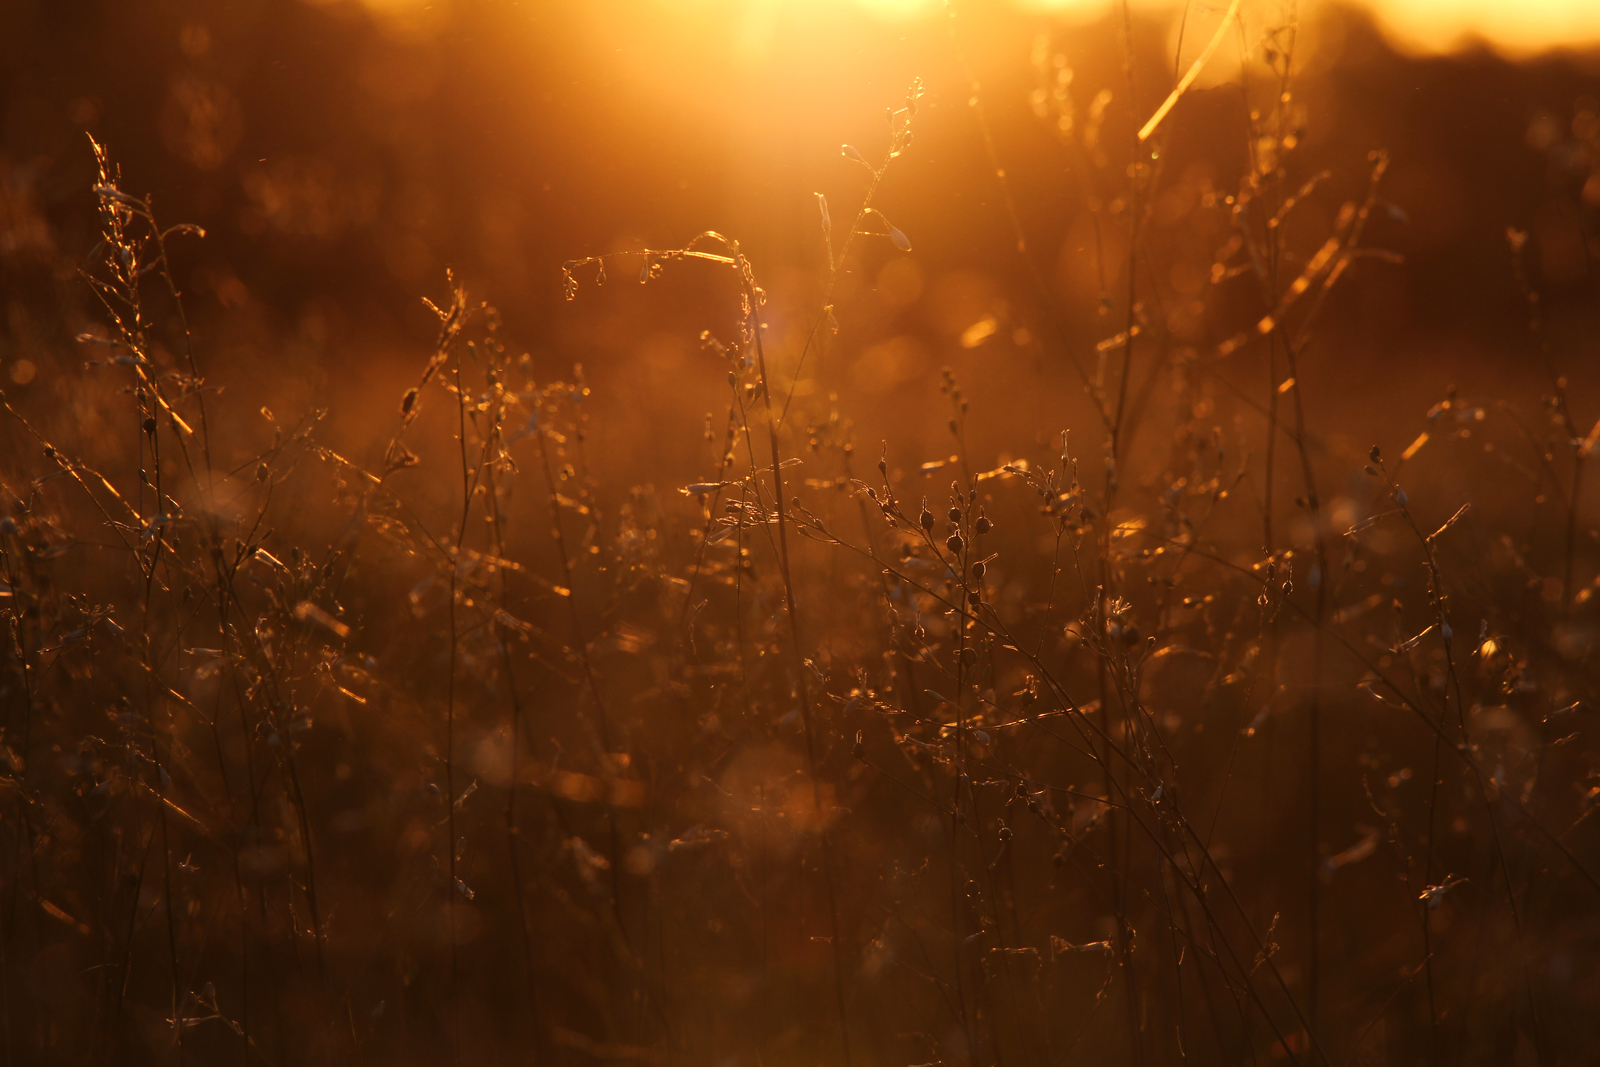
(1186, 734)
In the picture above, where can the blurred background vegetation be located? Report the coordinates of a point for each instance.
(342, 157)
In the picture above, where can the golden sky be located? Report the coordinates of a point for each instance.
(1518, 27)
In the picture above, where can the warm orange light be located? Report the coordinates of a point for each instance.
(900, 9)
(1424, 25)
(1435, 25)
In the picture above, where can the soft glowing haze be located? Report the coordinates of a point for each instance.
(1521, 28)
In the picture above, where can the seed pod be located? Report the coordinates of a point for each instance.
(955, 514)
(954, 543)
(969, 656)
(926, 519)
(979, 569)
(983, 525)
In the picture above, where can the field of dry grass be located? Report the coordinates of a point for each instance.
(1112, 579)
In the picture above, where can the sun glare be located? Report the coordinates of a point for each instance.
(1424, 25)
(898, 9)
(1419, 25)
(1437, 25)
